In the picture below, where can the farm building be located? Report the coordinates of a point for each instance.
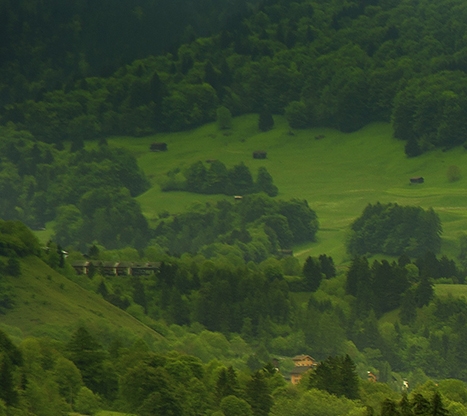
(303, 364)
(417, 179)
(158, 147)
(259, 154)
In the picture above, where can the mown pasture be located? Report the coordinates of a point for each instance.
(338, 175)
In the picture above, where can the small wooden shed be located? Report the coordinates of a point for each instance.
(417, 179)
(158, 147)
(259, 154)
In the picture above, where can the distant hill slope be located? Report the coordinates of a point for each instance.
(49, 304)
(338, 175)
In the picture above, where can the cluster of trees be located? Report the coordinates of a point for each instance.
(393, 229)
(88, 192)
(381, 287)
(217, 179)
(431, 112)
(314, 271)
(252, 228)
(258, 303)
(320, 64)
(40, 376)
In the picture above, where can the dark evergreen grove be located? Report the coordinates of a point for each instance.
(217, 179)
(320, 64)
(393, 229)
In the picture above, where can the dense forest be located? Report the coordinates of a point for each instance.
(228, 302)
(341, 65)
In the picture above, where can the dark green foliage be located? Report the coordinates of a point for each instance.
(327, 266)
(277, 224)
(312, 274)
(60, 179)
(420, 405)
(227, 383)
(17, 240)
(424, 292)
(13, 267)
(264, 183)
(432, 109)
(412, 148)
(89, 358)
(217, 179)
(8, 392)
(270, 56)
(224, 118)
(258, 394)
(438, 406)
(394, 229)
(389, 408)
(337, 375)
(265, 120)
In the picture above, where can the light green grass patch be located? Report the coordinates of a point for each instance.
(338, 175)
(446, 290)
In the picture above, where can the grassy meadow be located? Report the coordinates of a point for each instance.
(47, 304)
(338, 175)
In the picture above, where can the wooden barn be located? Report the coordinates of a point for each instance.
(158, 147)
(259, 154)
(417, 179)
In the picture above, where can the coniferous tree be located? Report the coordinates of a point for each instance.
(8, 392)
(438, 406)
(358, 268)
(258, 394)
(389, 408)
(312, 274)
(420, 405)
(227, 383)
(327, 266)
(424, 292)
(264, 183)
(408, 311)
(349, 378)
(88, 356)
(405, 407)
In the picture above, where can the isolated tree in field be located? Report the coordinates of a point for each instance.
(265, 120)
(453, 173)
(224, 118)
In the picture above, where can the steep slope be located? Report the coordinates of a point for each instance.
(49, 304)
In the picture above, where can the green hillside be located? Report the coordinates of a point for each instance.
(49, 304)
(338, 175)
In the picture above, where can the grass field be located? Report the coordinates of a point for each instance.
(48, 304)
(456, 291)
(338, 175)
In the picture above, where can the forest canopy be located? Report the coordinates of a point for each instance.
(393, 229)
(340, 65)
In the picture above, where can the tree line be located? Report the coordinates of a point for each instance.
(217, 179)
(81, 374)
(333, 65)
(394, 229)
(252, 228)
